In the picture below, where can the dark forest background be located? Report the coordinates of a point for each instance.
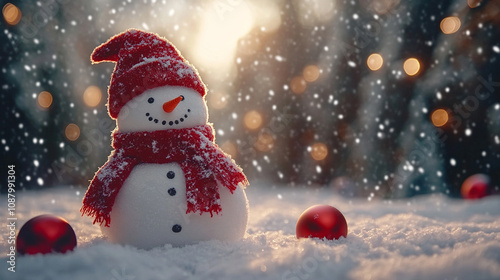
(292, 99)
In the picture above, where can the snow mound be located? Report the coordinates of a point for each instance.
(431, 237)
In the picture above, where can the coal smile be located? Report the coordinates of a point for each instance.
(170, 123)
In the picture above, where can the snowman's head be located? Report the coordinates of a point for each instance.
(167, 107)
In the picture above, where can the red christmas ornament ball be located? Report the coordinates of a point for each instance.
(321, 221)
(476, 186)
(45, 234)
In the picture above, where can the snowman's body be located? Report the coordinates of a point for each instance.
(150, 208)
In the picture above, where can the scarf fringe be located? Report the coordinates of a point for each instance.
(99, 219)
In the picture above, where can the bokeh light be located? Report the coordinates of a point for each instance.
(45, 99)
(298, 85)
(11, 13)
(230, 148)
(217, 100)
(319, 151)
(411, 66)
(265, 142)
(310, 73)
(439, 117)
(375, 61)
(92, 96)
(450, 25)
(217, 40)
(381, 7)
(473, 3)
(72, 132)
(253, 120)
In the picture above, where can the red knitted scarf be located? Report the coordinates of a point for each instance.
(204, 165)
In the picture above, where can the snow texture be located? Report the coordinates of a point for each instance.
(428, 237)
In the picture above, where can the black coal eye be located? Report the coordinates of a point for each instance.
(151, 100)
(182, 97)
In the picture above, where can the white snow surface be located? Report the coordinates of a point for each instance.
(428, 237)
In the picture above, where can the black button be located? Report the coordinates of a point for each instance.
(176, 228)
(172, 191)
(170, 174)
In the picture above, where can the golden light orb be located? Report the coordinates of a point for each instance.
(72, 132)
(298, 85)
(230, 148)
(252, 120)
(265, 142)
(44, 99)
(217, 100)
(319, 151)
(411, 66)
(439, 117)
(473, 3)
(450, 25)
(11, 13)
(92, 96)
(374, 61)
(310, 73)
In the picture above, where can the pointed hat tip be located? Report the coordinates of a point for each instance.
(108, 51)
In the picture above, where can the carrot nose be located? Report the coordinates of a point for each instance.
(169, 106)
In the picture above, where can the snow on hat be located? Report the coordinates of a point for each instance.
(143, 61)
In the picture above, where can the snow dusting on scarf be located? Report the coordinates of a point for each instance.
(204, 165)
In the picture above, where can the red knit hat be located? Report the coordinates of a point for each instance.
(143, 61)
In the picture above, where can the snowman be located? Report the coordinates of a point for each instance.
(166, 181)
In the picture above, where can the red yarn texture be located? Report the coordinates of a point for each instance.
(204, 165)
(143, 61)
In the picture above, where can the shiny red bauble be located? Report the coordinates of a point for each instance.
(321, 221)
(45, 234)
(476, 186)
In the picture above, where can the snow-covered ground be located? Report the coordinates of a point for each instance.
(431, 237)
